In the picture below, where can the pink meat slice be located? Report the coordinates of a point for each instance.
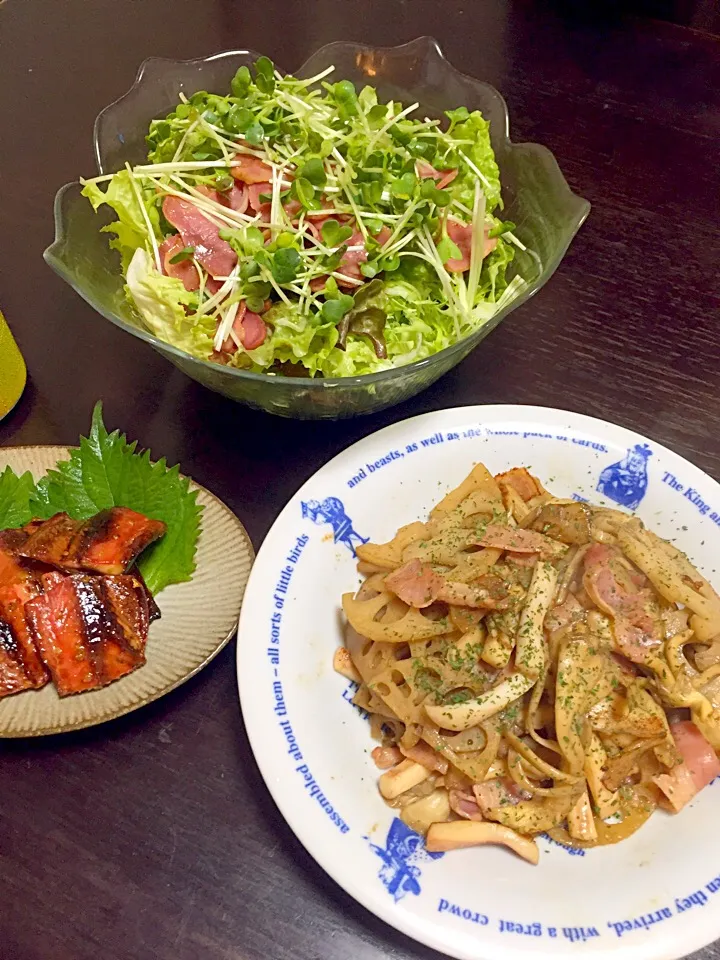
(215, 254)
(614, 589)
(251, 169)
(699, 767)
(418, 585)
(517, 540)
(184, 270)
(461, 236)
(350, 263)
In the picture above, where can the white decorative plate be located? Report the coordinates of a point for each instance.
(655, 896)
(198, 618)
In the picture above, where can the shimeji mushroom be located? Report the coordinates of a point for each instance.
(472, 833)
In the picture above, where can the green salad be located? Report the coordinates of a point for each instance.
(299, 227)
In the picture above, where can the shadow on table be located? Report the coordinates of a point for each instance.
(698, 14)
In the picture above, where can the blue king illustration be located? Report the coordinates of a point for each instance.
(626, 481)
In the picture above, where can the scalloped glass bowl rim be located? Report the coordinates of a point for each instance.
(310, 383)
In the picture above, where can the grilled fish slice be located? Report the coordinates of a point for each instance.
(12, 540)
(153, 609)
(108, 543)
(90, 630)
(17, 632)
(49, 542)
(111, 541)
(13, 677)
(17, 586)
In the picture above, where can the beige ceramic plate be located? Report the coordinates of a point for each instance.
(198, 619)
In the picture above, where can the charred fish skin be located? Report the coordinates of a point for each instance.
(115, 622)
(12, 540)
(95, 530)
(59, 636)
(154, 612)
(127, 598)
(18, 584)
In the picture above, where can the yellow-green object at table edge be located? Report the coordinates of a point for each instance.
(13, 373)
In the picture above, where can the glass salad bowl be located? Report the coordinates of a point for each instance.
(537, 199)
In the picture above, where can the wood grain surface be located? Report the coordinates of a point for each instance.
(153, 836)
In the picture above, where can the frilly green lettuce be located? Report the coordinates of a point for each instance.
(130, 228)
(162, 302)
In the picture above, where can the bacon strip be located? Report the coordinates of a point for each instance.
(496, 793)
(443, 177)
(251, 169)
(418, 585)
(614, 589)
(350, 264)
(464, 805)
(423, 753)
(516, 540)
(522, 482)
(699, 767)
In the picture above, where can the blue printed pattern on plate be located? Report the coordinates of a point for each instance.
(332, 511)
(403, 850)
(626, 481)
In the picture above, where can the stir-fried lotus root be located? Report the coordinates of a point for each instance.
(533, 665)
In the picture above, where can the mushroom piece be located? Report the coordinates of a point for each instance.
(565, 520)
(421, 814)
(471, 833)
(404, 776)
(530, 643)
(386, 757)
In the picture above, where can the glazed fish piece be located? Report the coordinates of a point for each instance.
(18, 642)
(109, 542)
(153, 609)
(49, 542)
(90, 630)
(13, 677)
(17, 586)
(12, 540)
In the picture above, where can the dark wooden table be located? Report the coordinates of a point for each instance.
(154, 836)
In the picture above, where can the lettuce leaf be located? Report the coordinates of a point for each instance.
(106, 471)
(130, 228)
(493, 279)
(477, 130)
(161, 302)
(295, 339)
